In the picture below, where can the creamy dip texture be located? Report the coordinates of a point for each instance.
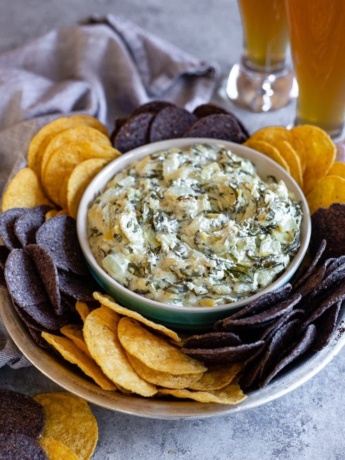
(194, 227)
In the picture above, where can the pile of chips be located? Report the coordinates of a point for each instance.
(121, 350)
(48, 426)
(282, 326)
(43, 268)
(308, 154)
(63, 157)
(161, 120)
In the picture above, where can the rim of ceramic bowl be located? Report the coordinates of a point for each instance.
(99, 182)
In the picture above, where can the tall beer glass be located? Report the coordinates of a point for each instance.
(317, 36)
(262, 81)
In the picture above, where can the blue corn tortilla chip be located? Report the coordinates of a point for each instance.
(259, 305)
(326, 325)
(7, 222)
(134, 132)
(48, 273)
(302, 277)
(217, 126)
(329, 224)
(231, 354)
(27, 224)
(169, 123)
(22, 279)
(204, 110)
(20, 413)
(17, 446)
(265, 317)
(300, 347)
(58, 236)
(212, 340)
(77, 287)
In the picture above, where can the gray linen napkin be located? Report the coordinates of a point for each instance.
(105, 67)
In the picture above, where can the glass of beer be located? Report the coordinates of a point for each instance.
(262, 81)
(317, 37)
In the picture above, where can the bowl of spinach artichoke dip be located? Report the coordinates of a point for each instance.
(185, 231)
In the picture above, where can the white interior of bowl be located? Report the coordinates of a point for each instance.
(265, 167)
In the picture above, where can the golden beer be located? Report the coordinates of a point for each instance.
(265, 33)
(317, 37)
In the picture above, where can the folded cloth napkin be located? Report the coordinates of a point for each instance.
(105, 67)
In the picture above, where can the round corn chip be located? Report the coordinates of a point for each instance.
(232, 394)
(79, 179)
(83, 309)
(24, 191)
(14, 446)
(109, 302)
(216, 378)
(337, 169)
(65, 158)
(154, 351)
(328, 190)
(269, 150)
(55, 450)
(163, 379)
(100, 333)
(292, 159)
(70, 421)
(91, 121)
(319, 153)
(73, 354)
(272, 134)
(35, 151)
(19, 413)
(75, 135)
(74, 332)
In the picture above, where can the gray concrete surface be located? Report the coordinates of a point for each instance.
(307, 423)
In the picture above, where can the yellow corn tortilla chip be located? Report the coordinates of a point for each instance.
(155, 351)
(79, 179)
(329, 190)
(83, 309)
(109, 302)
(337, 169)
(269, 150)
(292, 159)
(65, 158)
(91, 121)
(74, 332)
(73, 354)
(74, 135)
(100, 333)
(55, 450)
(232, 394)
(163, 379)
(319, 152)
(70, 421)
(35, 150)
(217, 377)
(24, 191)
(272, 134)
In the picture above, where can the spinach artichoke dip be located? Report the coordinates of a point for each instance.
(194, 227)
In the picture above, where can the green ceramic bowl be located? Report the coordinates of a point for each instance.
(180, 317)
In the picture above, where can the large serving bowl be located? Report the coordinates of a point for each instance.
(184, 317)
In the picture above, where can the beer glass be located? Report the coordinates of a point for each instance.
(317, 37)
(262, 81)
